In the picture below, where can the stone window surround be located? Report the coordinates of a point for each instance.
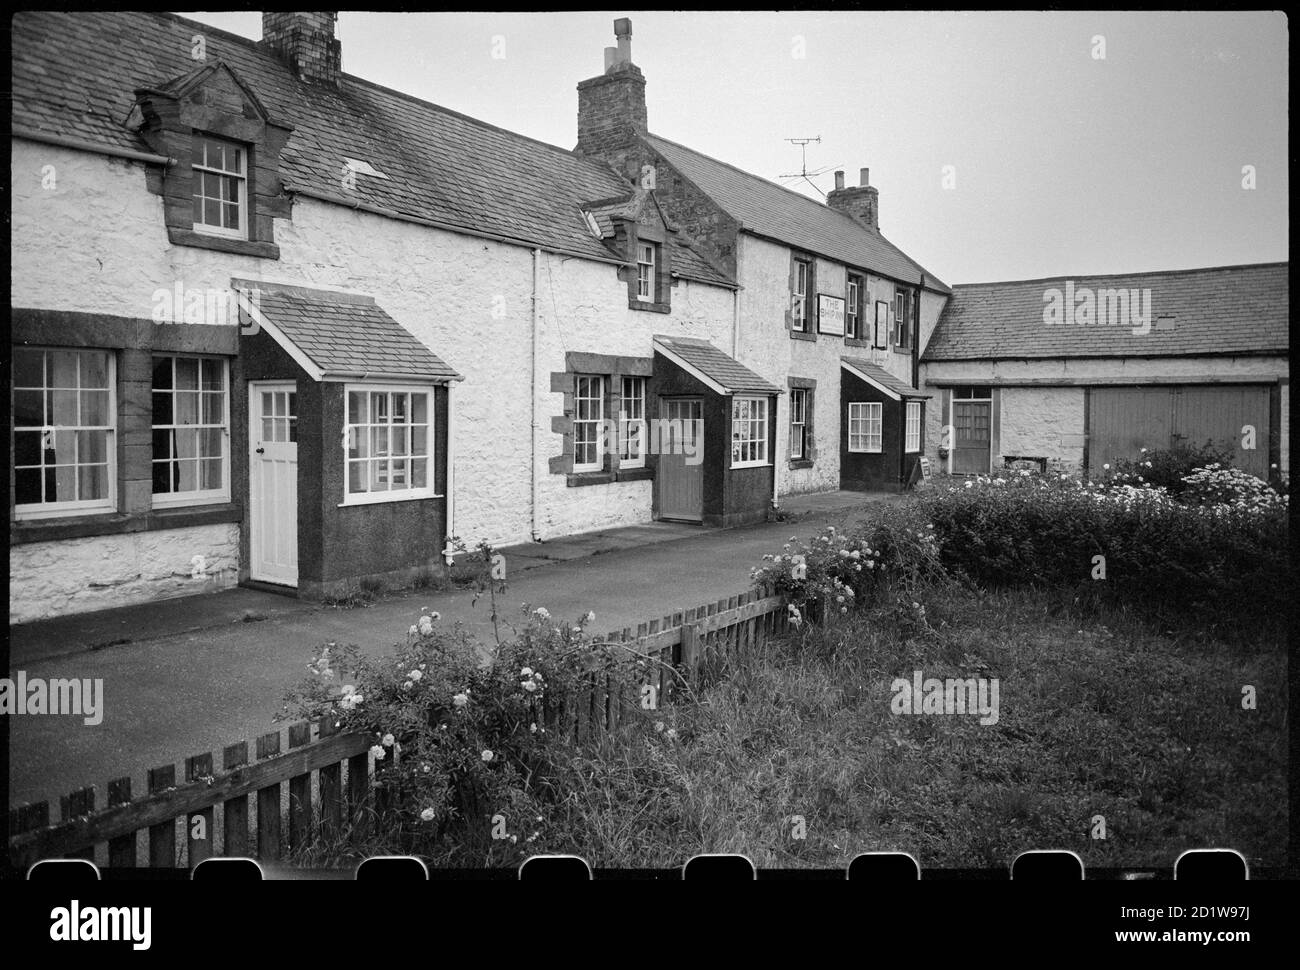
(133, 342)
(635, 234)
(810, 438)
(810, 291)
(170, 127)
(613, 369)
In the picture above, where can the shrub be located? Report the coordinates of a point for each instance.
(1216, 485)
(458, 740)
(1166, 467)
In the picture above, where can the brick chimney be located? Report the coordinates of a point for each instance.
(306, 42)
(611, 107)
(861, 202)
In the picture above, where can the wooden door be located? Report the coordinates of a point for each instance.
(680, 476)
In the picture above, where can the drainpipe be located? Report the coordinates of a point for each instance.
(916, 337)
(532, 434)
(451, 464)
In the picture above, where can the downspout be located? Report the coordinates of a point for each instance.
(532, 424)
(451, 469)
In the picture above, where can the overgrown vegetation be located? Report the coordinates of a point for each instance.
(1122, 697)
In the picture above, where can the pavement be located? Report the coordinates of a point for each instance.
(191, 675)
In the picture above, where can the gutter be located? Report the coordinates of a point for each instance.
(89, 146)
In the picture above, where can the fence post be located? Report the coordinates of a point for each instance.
(235, 811)
(690, 647)
(199, 847)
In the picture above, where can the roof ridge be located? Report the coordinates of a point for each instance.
(365, 82)
(1155, 272)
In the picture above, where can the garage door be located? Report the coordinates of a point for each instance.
(1124, 420)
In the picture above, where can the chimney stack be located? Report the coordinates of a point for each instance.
(861, 202)
(611, 106)
(306, 42)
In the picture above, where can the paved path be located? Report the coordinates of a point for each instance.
(196, 690)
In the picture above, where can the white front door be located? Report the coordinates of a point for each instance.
(273, 483)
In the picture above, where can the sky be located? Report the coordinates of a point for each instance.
(1005, 145)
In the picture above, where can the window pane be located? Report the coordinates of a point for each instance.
(210, 474)
(27, 486)
(419, 440)
(65, 408)
(213, 374)
(419, 473)
(92, 446)
(379, 441)
(187, 374)
(63, 368)
(420, 408)
(378, 407)
(210, 442)
(61, 484)
(94, 370)
(268, 432)
(27, 448)
(356, 407)
(293, 403)
(162, 444)
(92, 482)
(211, 212)
(278, 402)
(162, 373)
(29, 409)
(293, 429)
(357, 443)
(398, 440)
(357, 476)
(186, 443)
(187, 408)
(231, 215)
(29, 367)
(94, 409)
(188, 480)
(214, 408)
(399, 408)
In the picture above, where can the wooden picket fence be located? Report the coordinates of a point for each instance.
(328, 774)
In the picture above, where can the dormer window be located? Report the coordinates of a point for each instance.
(220, 185)
(646, 260)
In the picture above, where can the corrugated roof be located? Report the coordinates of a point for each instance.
(75, 74)
(881, 376)
(1215, 310)
(767, 209)
(720, 368)
(346, 335)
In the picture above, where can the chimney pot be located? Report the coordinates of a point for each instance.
(864, 177)
(839, 181)
(623, 32)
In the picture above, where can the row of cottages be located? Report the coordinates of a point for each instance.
(1073, 373)
(274, 324)
(827, 308)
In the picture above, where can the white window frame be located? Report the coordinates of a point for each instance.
(853, 309)
(799, 298)
(49, 510)
(902, 312)
(388, 495)
(756, 432)
(866, 415)
(597, 422)
(799, 420)
(645, 272)
(629, 418)
(210, 496)
(242, 175)
(912, 426)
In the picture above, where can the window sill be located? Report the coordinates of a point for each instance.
(802, 335)
(119, 523)
(751, 464)
(855, 342)
(582, 479)
(902, 350)
(650, 306)
(355, 502)
(222, 244)
(863, 451)
(166, 505)
(797, 463)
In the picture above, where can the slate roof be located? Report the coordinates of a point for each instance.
(768, 209)
(719, 367)
(688, 261)
(882, 376)
(1212, 311)
(74, 74)
(346, 335)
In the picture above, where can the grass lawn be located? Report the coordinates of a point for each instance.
(1100, 717)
